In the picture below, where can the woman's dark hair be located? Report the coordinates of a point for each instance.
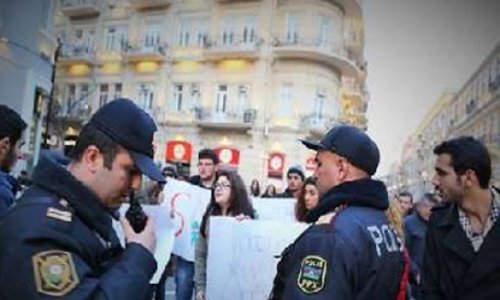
(266, 192)
(255, 191)
(300, 206)
(239, 202)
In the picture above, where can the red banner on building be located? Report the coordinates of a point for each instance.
(228, 156)
(275, 165)
(178, 151)
(311, 164)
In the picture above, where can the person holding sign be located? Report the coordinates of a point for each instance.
(351, 251)
(229, 198)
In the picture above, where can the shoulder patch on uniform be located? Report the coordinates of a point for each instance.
(59, 214)
(312, 274)
(54, 272)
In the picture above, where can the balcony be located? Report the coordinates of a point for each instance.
(352, 8)
(72, 111)
(334, 55)
(80, 8)
(149, 4)
(76, 53)
(317, 125)
(232, 47)
(142, 51)
(207, 118)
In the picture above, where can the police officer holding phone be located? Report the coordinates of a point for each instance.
(58, 240)
(351, 251)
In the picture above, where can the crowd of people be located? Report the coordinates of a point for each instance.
(58, 239)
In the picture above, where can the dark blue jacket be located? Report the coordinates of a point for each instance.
(58, 241)
(415, 229)
(356, 255)
(6, 193)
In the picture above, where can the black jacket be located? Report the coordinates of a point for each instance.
(58, 241)
(355, 256)
(451, 269)
(415, 229)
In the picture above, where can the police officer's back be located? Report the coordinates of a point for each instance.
(58, 241)
(351, 252)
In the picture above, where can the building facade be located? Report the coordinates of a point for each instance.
(474, 110)
(27, 48)
(247, 78)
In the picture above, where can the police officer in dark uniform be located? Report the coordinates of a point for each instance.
(351, 251)
(58, 241)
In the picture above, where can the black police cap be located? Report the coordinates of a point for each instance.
(133, 129)
(353, 144)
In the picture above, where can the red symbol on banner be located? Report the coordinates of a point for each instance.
(175, 212)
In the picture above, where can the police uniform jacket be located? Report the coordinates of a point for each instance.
(354, 254)
(58, 242)
(451, 268)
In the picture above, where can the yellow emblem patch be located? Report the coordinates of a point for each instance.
(55, 273)
(312, 274)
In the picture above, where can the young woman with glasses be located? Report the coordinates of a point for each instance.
(229, 198)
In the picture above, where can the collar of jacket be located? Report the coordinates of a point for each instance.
(51, 174)
(450, 217)
(4, 180)
(364, 192)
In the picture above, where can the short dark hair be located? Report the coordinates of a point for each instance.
(239, 200)
(405, 194)
(208, 154)
(467, 153)
(92, 136)
(11, 124)
(429, 197)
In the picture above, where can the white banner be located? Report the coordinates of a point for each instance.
(187, 204)
(164, 235)
(275, 209)
(242, 256)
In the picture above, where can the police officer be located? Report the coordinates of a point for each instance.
(58, 241)
(351, 251)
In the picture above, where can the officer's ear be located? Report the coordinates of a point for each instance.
(344, 169)
(92, 158)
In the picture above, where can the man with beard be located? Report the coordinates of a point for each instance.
(11, 132)
(461, 259)
(351, 251)
(58, 241)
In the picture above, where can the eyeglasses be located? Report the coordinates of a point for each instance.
(223, 186)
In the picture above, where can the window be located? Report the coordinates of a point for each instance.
(194, 91)
(118, 91)
(103, 94)
(221, 105)
(184, 33)
(115, 38)
(292, 28)
(249, 30)
(228, 31)
(192, 32)
(151, 35)
(242, 97)
(285, 100)
(145, 98)
(319, 103)
(177, 98)
(325, 31)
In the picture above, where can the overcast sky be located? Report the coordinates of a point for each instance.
(417, 49)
